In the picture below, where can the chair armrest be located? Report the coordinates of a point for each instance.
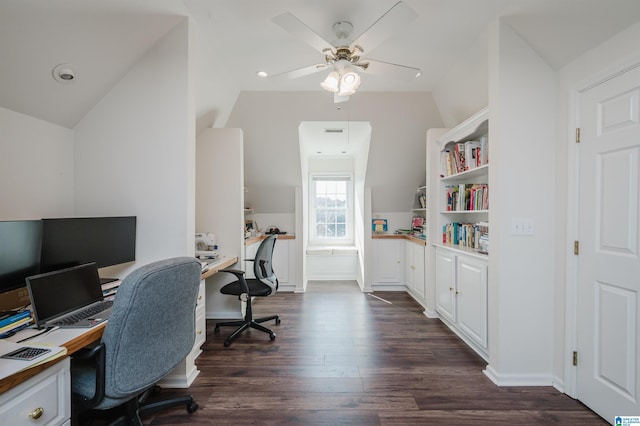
(97, 357)
(240, 277)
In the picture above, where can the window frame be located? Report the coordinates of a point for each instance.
(348, 239)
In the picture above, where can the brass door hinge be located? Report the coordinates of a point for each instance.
(577, 134)
(576, 247)
(575, 358)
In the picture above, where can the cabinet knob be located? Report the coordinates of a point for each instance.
(37, 413)
(457, 292)
(450, 288)
(198, 331)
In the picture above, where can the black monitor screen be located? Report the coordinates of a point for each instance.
(74, 241)
(19, 252)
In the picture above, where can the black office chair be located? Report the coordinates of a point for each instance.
(150, 331)
(265, 284)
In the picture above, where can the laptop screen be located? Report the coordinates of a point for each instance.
(59, 292)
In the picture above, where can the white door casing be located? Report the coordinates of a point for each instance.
(608, 273)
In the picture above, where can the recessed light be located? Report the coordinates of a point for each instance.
(418, 74)
(262, 74)
(64, 73)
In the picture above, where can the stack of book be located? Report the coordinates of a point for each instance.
(14, 321)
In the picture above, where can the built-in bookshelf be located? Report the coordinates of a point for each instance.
(463, 200)
(418, 224)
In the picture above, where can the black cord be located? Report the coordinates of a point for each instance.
(46, 330)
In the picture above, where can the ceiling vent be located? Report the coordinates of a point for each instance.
(333, 130)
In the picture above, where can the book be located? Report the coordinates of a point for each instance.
(14, 318)
(379, 226)
(15, 324)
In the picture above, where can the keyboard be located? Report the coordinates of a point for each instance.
(84, 314)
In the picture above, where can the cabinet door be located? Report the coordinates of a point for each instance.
(388, 260)
(409, 267)
(445, 284)
(414, 268)
(281, 260)
(471, 277)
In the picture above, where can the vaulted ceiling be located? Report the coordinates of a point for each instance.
(235, 39)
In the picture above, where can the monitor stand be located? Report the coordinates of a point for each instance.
(104, 281)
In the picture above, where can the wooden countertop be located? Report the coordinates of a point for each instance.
(225, 262)
(253, 240)
(411, 238)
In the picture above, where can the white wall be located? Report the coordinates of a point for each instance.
(395, 165)
(463, 90)
(600, 62)
(36, 168)
(135, 152)
(522, 103)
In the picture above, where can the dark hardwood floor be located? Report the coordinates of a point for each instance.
(342, 357)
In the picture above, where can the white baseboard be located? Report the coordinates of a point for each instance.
(431, 314)
(517, 379)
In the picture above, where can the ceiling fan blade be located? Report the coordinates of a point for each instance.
(295, 26)
(391, 21)
(388, 69)
(301, 72)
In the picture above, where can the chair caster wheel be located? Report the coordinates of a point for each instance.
(191, 408)
(227, 343)
(272, 336)
(278, 321)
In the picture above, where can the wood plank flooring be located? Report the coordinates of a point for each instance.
(342, 357)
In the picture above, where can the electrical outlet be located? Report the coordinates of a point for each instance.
(523, 226)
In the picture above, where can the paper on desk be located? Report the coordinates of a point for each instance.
(12, 366)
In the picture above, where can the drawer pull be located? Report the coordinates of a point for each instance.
(37, 413)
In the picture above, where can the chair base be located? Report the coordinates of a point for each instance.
(245, 325)
(132, 412)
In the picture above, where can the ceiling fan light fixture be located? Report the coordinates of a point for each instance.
(349, 82)
(330, 84)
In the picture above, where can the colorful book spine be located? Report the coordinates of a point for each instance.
(17, 317)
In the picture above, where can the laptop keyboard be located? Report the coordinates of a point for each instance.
(87, 313)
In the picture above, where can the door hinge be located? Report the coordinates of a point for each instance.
(577, 134)
(576, 247)
(575, 358)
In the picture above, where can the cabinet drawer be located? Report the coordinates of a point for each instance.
(201, 328)
(200, 302)
(45, 396)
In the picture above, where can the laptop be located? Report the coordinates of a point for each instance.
(68, 298)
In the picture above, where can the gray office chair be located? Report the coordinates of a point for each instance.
(265, 284)
(150, 331)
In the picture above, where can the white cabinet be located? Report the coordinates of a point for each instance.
(44, 399)
(471, 297)
(414, 269)
(445, 272)
(461, 296)
(388, 265)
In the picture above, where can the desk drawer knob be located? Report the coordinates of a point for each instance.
(37, 413)
(198, 331)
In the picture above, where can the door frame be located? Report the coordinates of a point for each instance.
(572, 216)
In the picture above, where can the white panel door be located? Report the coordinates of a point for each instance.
(609, 263)
(446, 284)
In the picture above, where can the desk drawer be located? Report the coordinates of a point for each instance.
(45, 396)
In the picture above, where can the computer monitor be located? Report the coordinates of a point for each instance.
(75, 241)
(19, 252)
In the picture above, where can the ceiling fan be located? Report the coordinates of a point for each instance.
(345, 56)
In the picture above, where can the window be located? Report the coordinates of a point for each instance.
(332, 210)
